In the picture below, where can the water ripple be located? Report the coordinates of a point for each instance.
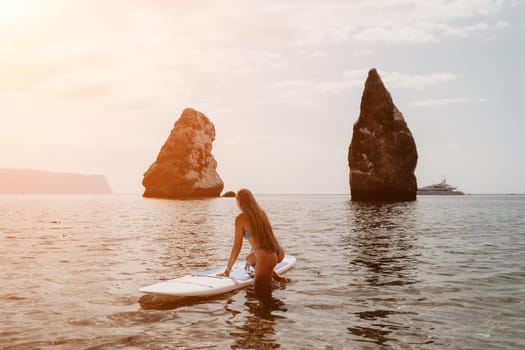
(435, 273)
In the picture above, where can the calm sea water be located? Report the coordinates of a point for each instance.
(438, 273)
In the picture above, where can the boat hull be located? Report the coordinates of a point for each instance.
(440, 193)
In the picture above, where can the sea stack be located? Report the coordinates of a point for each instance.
(185, 167)
(382, 155)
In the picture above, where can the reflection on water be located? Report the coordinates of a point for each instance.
(258, 329)
(258, 313)
(382, 251)
(383, 242)
(166, 302)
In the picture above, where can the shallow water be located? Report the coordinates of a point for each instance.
(441, 272)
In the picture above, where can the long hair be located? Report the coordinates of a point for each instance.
(259, 222)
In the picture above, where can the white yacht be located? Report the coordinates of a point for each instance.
(441, 188)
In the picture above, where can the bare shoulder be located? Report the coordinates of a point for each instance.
(242, 220)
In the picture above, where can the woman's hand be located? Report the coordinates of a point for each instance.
(226, 273)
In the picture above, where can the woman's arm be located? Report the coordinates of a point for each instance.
(236, 248)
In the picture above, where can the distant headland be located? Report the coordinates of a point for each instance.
(24, 181)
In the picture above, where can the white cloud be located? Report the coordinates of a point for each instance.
(362, 53)
(398, 34)
(445, 101)
(416, 81)
(392, 21)
(424, 31)
(226, 39)
(399, 80)
(303, 90)
(306, 88)
(439, 102)
(467, 30)
(308, 23)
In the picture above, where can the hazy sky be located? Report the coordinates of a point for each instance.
(95, 86)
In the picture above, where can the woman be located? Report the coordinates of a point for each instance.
(253, 224)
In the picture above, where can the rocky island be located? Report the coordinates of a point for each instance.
(185, 167)
(23, 181)
(382, 155)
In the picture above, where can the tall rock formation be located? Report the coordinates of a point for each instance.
(382, 155)
(185, 167)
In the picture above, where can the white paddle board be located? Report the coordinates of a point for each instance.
(207, 283)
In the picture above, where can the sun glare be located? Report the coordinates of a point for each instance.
(15, 11)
